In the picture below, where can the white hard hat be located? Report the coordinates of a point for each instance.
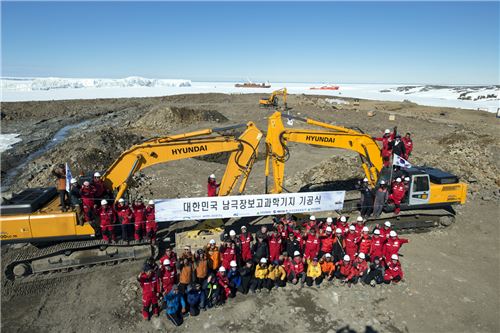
(97, 174)
(394, 257)
(328, 229)
(382, 182)
(104, 202)
(232, 233)
(398, 180)
(359, 219)
(365, 228)
(73, 181)
(387, 224)
(86, 183)
(212, 241)
(296, 253)
(243, 227)
(376, 232)
(166, 262)
(121, 200)
(212, 176)
(361, 255)
(328, 255)
(343, 219)
(338, 231)
(233, 263)
(393, 233)
(407, 179)
(347, 258)
(365, 180)
(222, 269)
(263, 260)
(387, 131)
(151, 202)
(351, 227)
(312, 218)
(329, 220)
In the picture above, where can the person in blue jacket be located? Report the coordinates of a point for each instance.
(195, 299)
(175, 306)
(234, 278)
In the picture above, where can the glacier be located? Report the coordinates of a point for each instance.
(8, 140)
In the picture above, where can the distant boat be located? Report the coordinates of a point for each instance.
(328, 87)
(251, 84)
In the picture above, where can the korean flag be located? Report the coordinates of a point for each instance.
(399, 161)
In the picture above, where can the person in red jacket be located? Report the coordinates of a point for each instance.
(228, 254)
(386, 145)
(351, 242)
(312, 245)
(170, 255)
(223, 281)
(365, 242)
(88, 194)
(397, 195)
(151, 225)
(345, 271)
(393, 271)
(342, 225)
(361, 267)
(408, 145)
(125, 218)
(286, 262)
(311, 224)
(360, 223)
(100, 189)
(246, 240)
(385, 230)
(297, 274)
(393, 245)
(274, 246)
(328, 223)
(139, 211)
(212, 186)
(326, 242)
(150, 285)
(377, 245)
(106, 214)
(168, 275)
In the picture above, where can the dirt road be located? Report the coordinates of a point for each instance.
(452, 275)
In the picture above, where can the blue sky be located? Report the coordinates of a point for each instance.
(337, 42)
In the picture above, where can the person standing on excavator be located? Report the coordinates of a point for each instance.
(212, 186)
(100, 189)
(87, 193)
(408, 145)
(398, 193)
(60, 173)
(139, 210)
(108, 218)
(151, 225)
(125, 217)
(386, 140)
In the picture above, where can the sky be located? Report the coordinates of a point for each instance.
(332, 42)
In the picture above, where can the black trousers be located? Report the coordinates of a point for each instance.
(175, 318)
(127, 231)
(310, 281)
(375, 274)
(194, 310)
(62, 198)
(246, 282)
(280, 283)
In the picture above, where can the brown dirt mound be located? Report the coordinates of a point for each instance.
(164, 117)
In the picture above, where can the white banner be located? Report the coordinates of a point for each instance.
(247, 205)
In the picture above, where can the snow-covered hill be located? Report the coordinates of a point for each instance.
(49, 83)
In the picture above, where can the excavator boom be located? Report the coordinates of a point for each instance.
(336, 137)
(243, 153)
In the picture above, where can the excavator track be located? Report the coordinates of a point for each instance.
(32, 260)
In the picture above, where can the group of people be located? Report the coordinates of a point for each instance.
(306, 254)
(394, 144)
(94, 204)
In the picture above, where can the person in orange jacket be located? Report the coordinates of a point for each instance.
(327, 267)
(213, 256)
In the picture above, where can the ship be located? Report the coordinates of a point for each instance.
(328, 87)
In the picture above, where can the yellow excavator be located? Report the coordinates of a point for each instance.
(273, 100)
(33, 216)
(432, 192)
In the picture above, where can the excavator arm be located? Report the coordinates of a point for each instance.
(334, 137)
(243, 154)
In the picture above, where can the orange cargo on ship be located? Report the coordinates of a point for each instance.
(325, 88)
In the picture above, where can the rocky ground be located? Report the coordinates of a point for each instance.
(452, 274)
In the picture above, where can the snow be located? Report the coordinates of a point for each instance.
(39, 89)
(7, 141)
